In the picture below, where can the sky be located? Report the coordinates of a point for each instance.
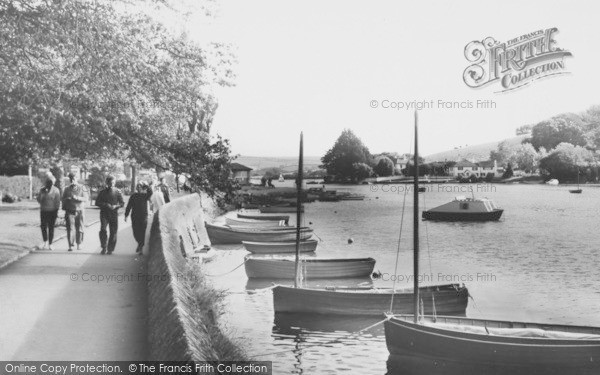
(318, 67)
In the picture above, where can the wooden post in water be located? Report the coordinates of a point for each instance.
(298, 210)
(416, 224)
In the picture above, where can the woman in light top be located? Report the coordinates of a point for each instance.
(156, 201)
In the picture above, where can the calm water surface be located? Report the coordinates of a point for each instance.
(538, 263)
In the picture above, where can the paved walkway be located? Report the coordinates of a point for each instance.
(80, 305)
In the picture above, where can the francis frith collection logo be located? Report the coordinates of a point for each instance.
(514, 63)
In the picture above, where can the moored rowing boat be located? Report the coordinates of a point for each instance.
(279, 247)
(220, 234)
(284, 267)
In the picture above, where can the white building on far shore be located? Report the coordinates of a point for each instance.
(466, 169)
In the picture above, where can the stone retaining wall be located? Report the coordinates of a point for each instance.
(177, 229)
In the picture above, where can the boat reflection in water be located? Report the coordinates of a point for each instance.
(296, 324)
(315, 342)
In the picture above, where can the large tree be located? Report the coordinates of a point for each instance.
(95, 80)
(347, 151)
(567, 161)
(566, 127)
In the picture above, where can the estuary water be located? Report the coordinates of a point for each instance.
(539, 263)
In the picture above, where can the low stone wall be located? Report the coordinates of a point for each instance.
(176, 330)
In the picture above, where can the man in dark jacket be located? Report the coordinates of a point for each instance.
(164, 188)
(109, 200)
(138, 207)
(72, 202)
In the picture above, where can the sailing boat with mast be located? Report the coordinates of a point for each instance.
(450, 299)
(282, 267)
(489, 343)
(578, 190)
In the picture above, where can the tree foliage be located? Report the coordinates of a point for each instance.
(567, 127)
(566, 161)
(522, 156)
(347, 151)
(385, 167)
(93, 80)
(361, 171)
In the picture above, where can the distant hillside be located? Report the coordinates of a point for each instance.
(476, 152)
(289, 163)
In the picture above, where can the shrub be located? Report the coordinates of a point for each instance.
(9, 198)
(19, 185)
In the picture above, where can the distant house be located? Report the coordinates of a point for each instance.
(240, 173)
(466, 169)
(402, 162)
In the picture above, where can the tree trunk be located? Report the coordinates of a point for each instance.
(30, 182)
(133, 177)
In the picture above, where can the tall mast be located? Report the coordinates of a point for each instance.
(298, 209)
(416, 224)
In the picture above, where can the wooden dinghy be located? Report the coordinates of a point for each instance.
(279, 247)
(279, 209)
(493, 342)
(222, 234)
(284, 268)
(450, 299)
(267, 217)
(254, 223)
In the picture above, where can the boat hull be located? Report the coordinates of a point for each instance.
(463, 216)
(282, 268)
(279, 209)
(225, 235)
(405, 338)
(575, 191)
(254, 223)
(450, 299)
(266, 217)
(279, 247)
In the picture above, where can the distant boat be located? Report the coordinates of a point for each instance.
(352, 197)
(465, 209)
(449, 299)
(578, 190)
(284, 268)
(281, 179)
(267, 217)
(279, 247)
(278, 209)
(553, 182)
(329, 196)
(221, 234)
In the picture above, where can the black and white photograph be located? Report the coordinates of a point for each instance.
(299, 187)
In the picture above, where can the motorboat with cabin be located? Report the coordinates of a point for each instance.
(465, 209)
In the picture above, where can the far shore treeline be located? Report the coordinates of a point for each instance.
(562, 147)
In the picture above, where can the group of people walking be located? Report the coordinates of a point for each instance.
(73, 200)
(109, 200)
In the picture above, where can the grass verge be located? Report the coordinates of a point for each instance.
(206, 306)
